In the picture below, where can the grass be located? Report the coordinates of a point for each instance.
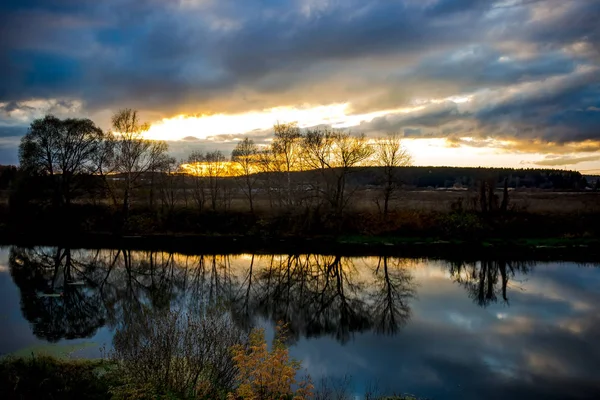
(58, 351)
(45, 377)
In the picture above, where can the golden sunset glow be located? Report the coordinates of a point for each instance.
(223, 131)
(207, 126)
(225, 168)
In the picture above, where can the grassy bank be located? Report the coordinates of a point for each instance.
(431, 233)
(182, 357)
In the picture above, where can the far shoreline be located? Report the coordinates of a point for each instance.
(539, 249)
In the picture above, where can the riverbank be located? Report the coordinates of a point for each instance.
(563, 249)
(450, 234)
(45, 377)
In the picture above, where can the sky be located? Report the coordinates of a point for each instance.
(467, 82)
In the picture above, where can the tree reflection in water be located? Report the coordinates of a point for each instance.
(315, 294)
(485, 280)
(327, 295)
(42, 274)
(395, 290)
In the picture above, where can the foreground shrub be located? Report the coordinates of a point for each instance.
(268, 375)
(178, 354)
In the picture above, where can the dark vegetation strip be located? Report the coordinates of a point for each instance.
(538, 249)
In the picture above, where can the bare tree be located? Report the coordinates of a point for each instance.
(245, 155)
(62, 150)
(169, 183)
(272, 169)
(286, 146)
(195, 166)
(215, 170)
(390, 154)
(127, 157)
(336, 154)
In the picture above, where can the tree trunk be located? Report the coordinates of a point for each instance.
(482, 197)
(504, 205)
(492, 204)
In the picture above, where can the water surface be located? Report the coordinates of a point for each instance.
(438, 329)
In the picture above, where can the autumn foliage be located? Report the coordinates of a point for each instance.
(268, 375)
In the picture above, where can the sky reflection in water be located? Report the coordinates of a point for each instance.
(438, 329)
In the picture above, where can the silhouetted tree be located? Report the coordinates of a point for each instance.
(215, 170)
(335, 154)
(169, 183)
(286, 147)
(195, 166)
(390, 154)
(504, 205)
(62, 151)
(245, 155)
(127, 157)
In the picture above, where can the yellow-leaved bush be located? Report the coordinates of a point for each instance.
(268, 375)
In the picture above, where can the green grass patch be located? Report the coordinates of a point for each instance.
(58, 351)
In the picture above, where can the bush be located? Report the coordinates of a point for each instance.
(268, 375)
(180, 354)
(462, 224)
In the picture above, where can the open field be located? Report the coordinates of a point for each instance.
(534, 201)
(365, 200)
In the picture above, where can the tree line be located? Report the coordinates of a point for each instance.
(319, 169)
(73, 157)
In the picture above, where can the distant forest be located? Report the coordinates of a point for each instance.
(427, 177)
(468, 177)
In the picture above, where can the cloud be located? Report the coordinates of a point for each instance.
(528, 68)
(190, 139)
(21, 112)
(536, 349)
(566, 160)
(181, 149)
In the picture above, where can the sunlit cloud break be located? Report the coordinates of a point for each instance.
(202, 127)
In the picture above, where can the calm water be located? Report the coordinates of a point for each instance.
(438, 329)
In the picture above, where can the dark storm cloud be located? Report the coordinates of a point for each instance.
(559, 111)
(200, 56)
(569, 21)
(121, 50)
(382, 27)
(479, 66)
(433, 115)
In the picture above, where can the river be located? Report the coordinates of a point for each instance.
(441, 329)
